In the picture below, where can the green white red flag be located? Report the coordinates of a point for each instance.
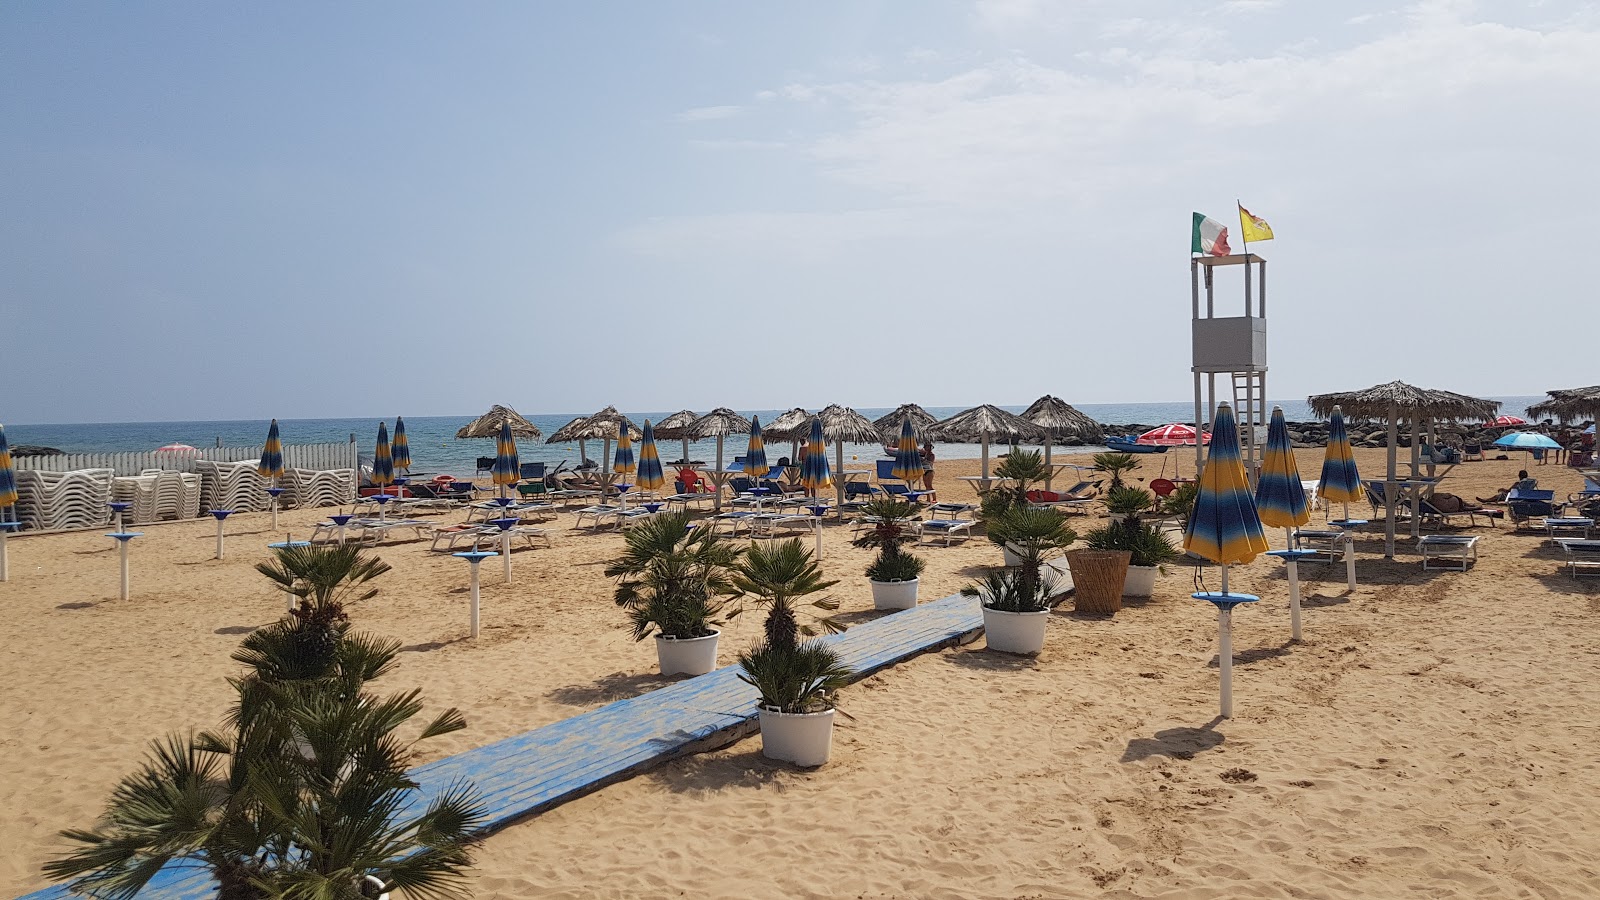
(1210, 237)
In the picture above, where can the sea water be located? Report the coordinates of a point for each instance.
(434, 448)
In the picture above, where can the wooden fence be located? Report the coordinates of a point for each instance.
(318, 457)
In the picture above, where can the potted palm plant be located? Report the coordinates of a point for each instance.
(1016, 605)
(894, 573)
(1148, 550)
(672, 580)
(1124, 501)
(796, 680)
(1115, 464)
(1028, 533)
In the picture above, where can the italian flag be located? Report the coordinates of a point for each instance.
(1210, 237)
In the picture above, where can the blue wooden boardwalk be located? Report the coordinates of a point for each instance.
(539, 769)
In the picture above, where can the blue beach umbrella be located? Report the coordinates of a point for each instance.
(1340, 483)
(1526, 440)
(650, 476)
(814, 474)
(506, 470)
(907, 459)
(622, 463)
(382, 460)
(271, 465)
(400, 448)
(1280, 497)
(755, 457)
(8, 478)
(1225, 527)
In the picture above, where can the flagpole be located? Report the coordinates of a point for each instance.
(1244, 233)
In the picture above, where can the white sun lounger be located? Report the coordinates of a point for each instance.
(1457, 550)
(949, 529)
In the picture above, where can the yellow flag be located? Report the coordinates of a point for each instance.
(1253, 227)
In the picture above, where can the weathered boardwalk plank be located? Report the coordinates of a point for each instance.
(533, 771)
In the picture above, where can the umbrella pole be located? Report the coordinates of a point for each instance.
(476, 594)
(1294, 588)
(583, 452)
(123, 566)
(6, 576)
(1225, 658)
(1050, 470)
(985, 481)
(686, 451)
(1349, 562)
(505, 551)
(1415, 492)
(718, 484)
(1388, 486)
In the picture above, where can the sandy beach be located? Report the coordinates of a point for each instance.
(1432, 736)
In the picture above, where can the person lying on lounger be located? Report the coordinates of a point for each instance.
(1524, 483)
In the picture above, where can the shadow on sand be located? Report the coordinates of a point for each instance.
(1177, 743)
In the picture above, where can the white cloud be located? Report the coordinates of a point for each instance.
(1249, 6)
(709, 113)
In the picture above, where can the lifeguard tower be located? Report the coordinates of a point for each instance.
(1234, 346)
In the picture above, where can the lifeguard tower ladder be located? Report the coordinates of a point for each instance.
(1235, 346)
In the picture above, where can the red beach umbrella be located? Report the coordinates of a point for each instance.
(1174, 435)
(177, 448)
(1510, 420)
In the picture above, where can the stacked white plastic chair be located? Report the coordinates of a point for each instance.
(307, 488)
(50, 500)
(236, 486)
(158, 496)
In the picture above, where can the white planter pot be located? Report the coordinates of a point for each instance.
(1141, 581)
(375, 882)
(1116, 518)
(894, 594)
(804, 739)
(688, 656)
(1011, 632)
(1011, 556)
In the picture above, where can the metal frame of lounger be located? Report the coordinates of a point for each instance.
(452, 535)
(949, 528)
(1330, 545)
(732, 518)
(955, 510)
(1460, 548)
(1583, 556)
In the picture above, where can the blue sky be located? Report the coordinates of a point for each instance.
(299, 210)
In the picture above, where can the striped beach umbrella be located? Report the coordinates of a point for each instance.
(382, 460)
(1224, 527)
(8, 476)
(271, 465)
(1280, 497)
(622, 463)
(651, 478)
(1340, 483)
(755, 456)
(507, 471)
(814, 474)
(907, 459)
(400, 447)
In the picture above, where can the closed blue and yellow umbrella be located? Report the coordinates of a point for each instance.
(651, 478)
(382, 460)
(907, 458)
(1280, 497)
(755, 457)
(507, 470)
(1224, 527)
(271, 465)
(400, 447)
(8, 476)
(622, 462)
(814, 474)
(1340, 483)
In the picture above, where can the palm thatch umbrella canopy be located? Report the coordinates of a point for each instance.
(1569, 405)
(676, 427)
(604, 426)
(719, 423)
(1391, 403)
(488, 425)
(889, 426)
(843, 425)
(1060, 420)
(794, 425)
(982, 424)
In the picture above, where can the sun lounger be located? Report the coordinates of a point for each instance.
(1457, 550)
(1583, 556)
(949, 529)
(452, 536)
(1430, 512)
(951, 510)
(1569, 526)
(1330, 546)
(733, 519)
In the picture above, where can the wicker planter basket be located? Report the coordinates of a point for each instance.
(1097, 577)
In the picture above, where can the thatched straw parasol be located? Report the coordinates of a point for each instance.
(604, 425)
(843, 425)
(488, 425)
(794, 425)
(982, 424)
(676, 427)
(1569, 405)
(889, 426)
(1395, 401)
(1060, 420)
(719, 423)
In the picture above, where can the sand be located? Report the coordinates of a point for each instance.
(1432, 736)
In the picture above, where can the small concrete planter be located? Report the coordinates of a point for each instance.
(805, 739)
(687, 656)
(894, 594)
(1011, 558)
(1141, 581)
(1015, 632)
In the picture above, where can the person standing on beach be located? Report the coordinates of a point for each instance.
(927, 468)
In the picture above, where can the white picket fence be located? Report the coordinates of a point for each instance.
(317, 457)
